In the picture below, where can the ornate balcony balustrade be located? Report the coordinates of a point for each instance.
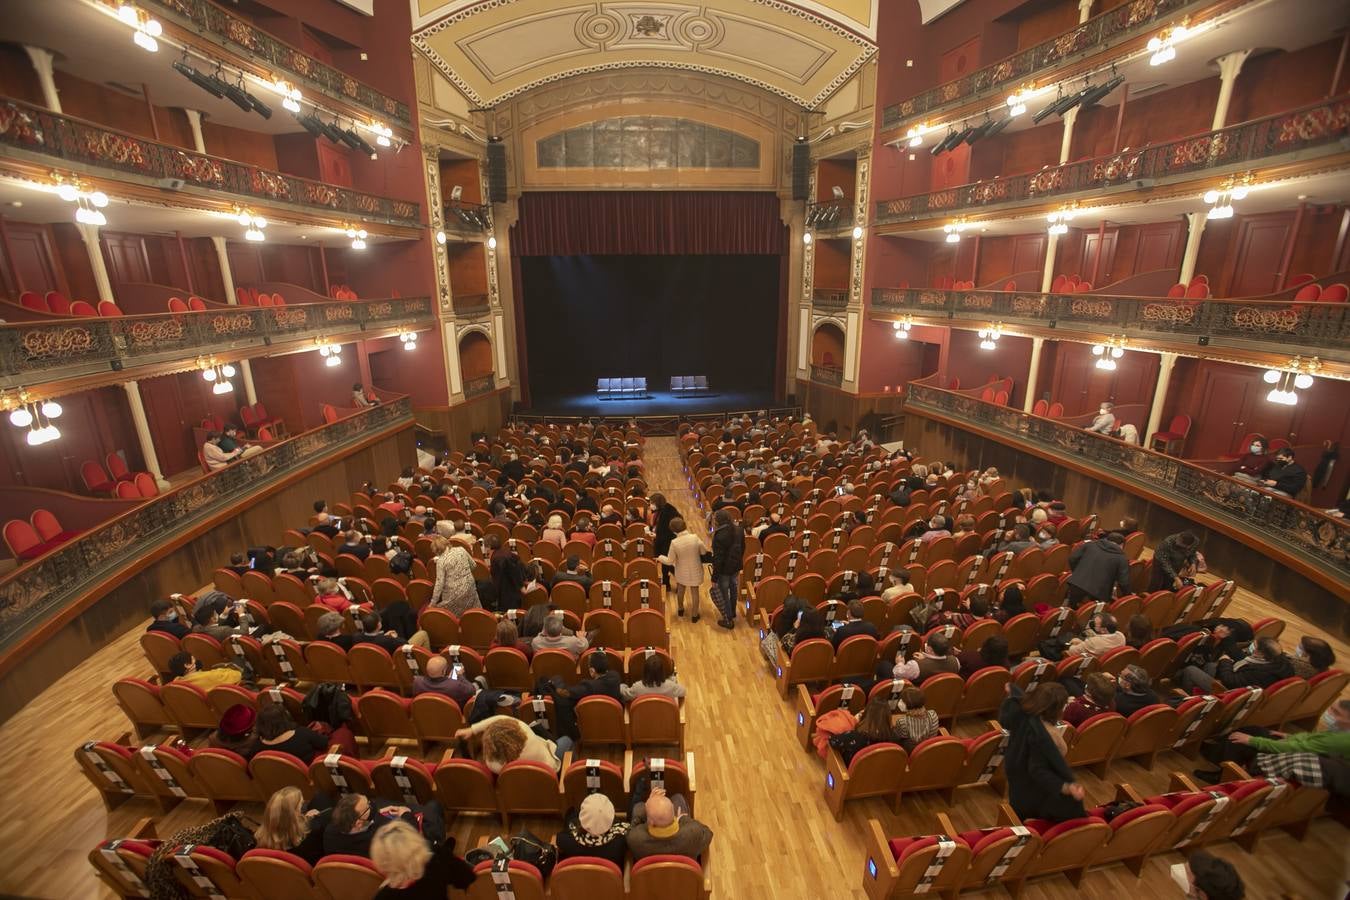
(826, 298)
(1321, 329)
(827, 375)
(1097, 34)
(477, 387)
(1321, 540)
(240, 35)
(52, 136)
(43, 588)
(1306, 131)
(32, 353)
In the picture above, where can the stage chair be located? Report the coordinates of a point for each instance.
(701, 383)
(602, 388)
(629, 387)
(676, 384)
(641, 386)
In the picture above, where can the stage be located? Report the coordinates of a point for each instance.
(657, 403)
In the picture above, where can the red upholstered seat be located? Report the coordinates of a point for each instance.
(83, 310)
(1335, 293)
(902, 846)
(22, 539)
(177, 305)
(96, 481)
(1176, 291)
(49, 528)
(117, 467)
(33, 300)
(1049, 830)
(196, 303)
(108, 309)
(57, 303)
(1309, 292)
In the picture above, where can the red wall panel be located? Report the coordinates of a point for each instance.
(1256, 254)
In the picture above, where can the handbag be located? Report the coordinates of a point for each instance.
(530, 849)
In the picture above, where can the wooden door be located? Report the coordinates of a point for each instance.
(1094, 245)
(126, 256)
(32, 265)
(1258, 250)
(1224, 408)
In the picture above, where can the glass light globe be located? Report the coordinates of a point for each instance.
(410, 345)
(209, 374)
(492, 243)
(1117, 352)
(1155, 43)
(228, 370)
(153, 28)
(1240, 192)
(259, 222)
(67, 192)
(21, 418)
(1271, 376)
(332, 361)
(127, 13)
(51, 409)
(358, 244)
(53, 432)
(245, 219)
(99, 199)
(35, 437)
(1303, 381)
(806, 237)
(440, 237)
(857, 232)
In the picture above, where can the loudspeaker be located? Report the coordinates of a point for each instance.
(496, 166)
(801, 170)
(170, 184)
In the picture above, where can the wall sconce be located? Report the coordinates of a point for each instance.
(88, 203)
(1162, 44)
(1220, 200)
(147, 28)
(1109, 352)
(358, 236)
(217, 374)
(916, 134)
(989, 336)
(954, 229)
(409, 340)
(1059, 220)
(331, 353)
(902, 327)
(36, 416)
(290, 95)
(253, 224)
(1298, 376)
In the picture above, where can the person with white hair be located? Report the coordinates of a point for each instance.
(411, 870)
(664, 825)
(553, 531)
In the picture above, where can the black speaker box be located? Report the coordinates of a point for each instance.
(801, 170)
(496, 166)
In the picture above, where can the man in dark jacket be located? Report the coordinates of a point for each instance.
(1173, 555)
(508, 574)
(1264, 664)
(1097, 568)
(1286, 477)
(854, 625)
(1134, 691)
(166, 619)
(728, 548)
(603, 681)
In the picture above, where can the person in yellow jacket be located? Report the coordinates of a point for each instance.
(185, 670)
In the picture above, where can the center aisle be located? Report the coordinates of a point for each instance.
(757, 790)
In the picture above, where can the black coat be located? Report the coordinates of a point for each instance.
(853, 629)
(1098, 567)
(728, 549)
(1036, 770)
(508, 577)
(1253, 674)
(1288, 479)
(661, 527)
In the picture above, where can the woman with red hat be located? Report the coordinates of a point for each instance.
(235, 732)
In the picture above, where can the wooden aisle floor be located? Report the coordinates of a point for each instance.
(758, 791)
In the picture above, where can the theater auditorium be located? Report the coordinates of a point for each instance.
(559, 450)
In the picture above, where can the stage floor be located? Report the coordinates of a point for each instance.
(658, 403)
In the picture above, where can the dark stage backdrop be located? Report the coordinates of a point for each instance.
(589, 317)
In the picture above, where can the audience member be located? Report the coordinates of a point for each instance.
(1099, 696)
(235, 731)
(684, 555)
(1040, 783)
(278, 731)
(591, 830)
(993, 652)
(509, 636)
(454, 590)
(328, 627)
(662, 515)
(553, 531)
(915, 722)
(1097, 567)
(602, 681)
(1138, 631)
(663, 825)
(356, 818)
(440, 680)
(1134, 691)
(728, 551)
(165, 619)
(184, 669)
(934, 659)
(508, 574)
(853, 624)
(1286, 477)
(898, 586)
(507, 739)
(289, 827)
(1100, 636)
(1204, 876)
(1263, 665)
(1105, 422)
(653, 681)
(411, 869)
(574, 570)
(1174, 556)
(556, 637)
(1312, 656)
(1255, 462)
(872, 727)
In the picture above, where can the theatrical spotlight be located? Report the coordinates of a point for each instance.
(946, 143)
(200, 80)
(1062, 104)
(234, 92)
(331, 131)
(998, 126)
(980, 131)
(356, 142)
(312, 124)
(1097, 94)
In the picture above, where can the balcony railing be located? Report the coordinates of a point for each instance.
(467, 218)
(829, 215)
(470, 305)
(1319, 328)
(53, 136)
(34, 352)
(477, 387)
(827, 375)
(829, 299)
(207, 18)
(1319, 125)
(1097, 34)
(42, 589)
(1314, 536)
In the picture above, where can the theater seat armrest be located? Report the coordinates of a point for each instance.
(567, 763)
(627, 771)
(942, 732)
(1007, 817)
(945, 824)
(144, 828)
(448, 754)
(805, 705)
(879, 850)
(1125, 793)
(1234, 772)
(705, 861)
(1180, 782)
(689, 767)
(834, 765)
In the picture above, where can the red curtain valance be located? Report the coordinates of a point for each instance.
(576, 223)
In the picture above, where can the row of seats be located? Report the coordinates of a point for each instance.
(56, 303)
(254, 297)
(193, 304)
(621, 387)
(1332, 293)
(98, 480)
(167, 774)
(1240, 809)
(41, 533)
(688, 384)
(344, 292)
(1196, 289)
(1069, 284)
(202, 870)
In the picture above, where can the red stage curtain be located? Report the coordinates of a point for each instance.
(577, 223)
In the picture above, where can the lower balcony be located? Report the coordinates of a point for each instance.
(829, 375)
(825, 298)
(477, 387)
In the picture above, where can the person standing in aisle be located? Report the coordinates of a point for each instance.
(662, 515)
(728, 550)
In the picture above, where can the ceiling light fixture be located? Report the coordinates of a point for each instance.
(331, 353)
(217, 374)
(409, 340)
(989, 336)
(954, 229)
(902, 327)
(25, 411)
(1059, 220)
(1107, 353)
(254, 225)
(88, 203)
(492, 243)
(1221, 199)
(290, 95)
(1163, 44)
(1297, 376)
(147, 28)
(358, 236)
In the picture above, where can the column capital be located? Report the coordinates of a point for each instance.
(42, 59)
(1230, 64)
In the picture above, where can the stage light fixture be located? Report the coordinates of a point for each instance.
(356, 142)
(980, 131)
(259, 107)
(311, 124)
(941, 145)
(1097, 94)
(998, 126)
(197, 78)
(235, 93)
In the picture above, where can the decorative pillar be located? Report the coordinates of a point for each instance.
(1155, 413)
(143, 433)
(857, 260)
(195, 123)
(1230, 64)
(1048, 275)
(451, 342)
(1084, 11)
(1196, 227)
(1030, 400)
(227, 278)
(1066, 144)
(89, 233)
(42, 64)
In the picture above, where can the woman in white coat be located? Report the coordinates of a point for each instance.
(686, 557)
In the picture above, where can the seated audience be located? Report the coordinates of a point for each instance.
(375, 631)
(591, 830)
(184, 668)
(165, 619)
(1134, 691)
(1100, 636)
(937, 528)
(898, 586)
(1263, 664)
(663, 825)
(653, 681)
(1204, 876)
(1098, 567)
(360, 399)
(1040, 783)
(602, 681)
(915, 722)
(934, 659)
(355, 545)
(573, 569)
(1105, 422)
(1138, 631)
(810, 626)
(206, 620)
(873, 727)
(217, 457)
(1099, 696)
(289, 827)
(411, 869)
(508, 635)
(328, 628)
(582, 529)
(1286, 477)
(235, 731)
(507, 739)
(328, 594)
(278, 731)
(1316, 759)
(1312, 656)
(557, 637)
(438, 680)
(993, 652)
(1255, 462)
(853, 624)
(553, 531)
(356, 818)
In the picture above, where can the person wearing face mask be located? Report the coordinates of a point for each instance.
(1317, 759)
(1047, 536)
(1286, 477)
(166, 619)
(1254, 464)
(1105, 422)
(1101, 635)
(1204, 876)
(1312, 656)
(1263, 664)
(1098, 567)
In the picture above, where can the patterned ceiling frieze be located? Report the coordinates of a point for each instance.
(496, 49)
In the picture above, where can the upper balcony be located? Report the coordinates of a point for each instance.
(1302, 141)
(1252, 328)
(36, 140)
(1103, 40)
(75, 354)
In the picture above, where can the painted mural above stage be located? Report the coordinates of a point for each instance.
(494, 49)
(647, 142)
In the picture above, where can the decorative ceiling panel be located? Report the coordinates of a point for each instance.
(495, 49)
